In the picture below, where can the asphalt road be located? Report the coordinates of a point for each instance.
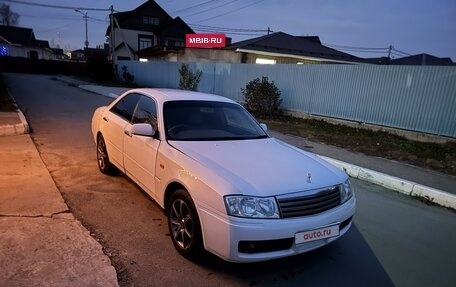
(396, 240)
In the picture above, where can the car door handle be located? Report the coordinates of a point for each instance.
(128, 133)
(105, 119)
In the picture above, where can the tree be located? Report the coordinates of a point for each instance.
(188, 79)
(8, 17)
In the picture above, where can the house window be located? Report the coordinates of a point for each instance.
(145, 43)
(151, 20)
(265, 61)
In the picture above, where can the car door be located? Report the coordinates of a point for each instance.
(114, 123)
(140, 152)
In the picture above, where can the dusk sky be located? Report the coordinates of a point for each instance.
(354, 26)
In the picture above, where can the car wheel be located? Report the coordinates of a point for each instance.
(184, 225)
(104, 165)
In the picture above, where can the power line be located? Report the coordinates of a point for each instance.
(211, 9)
(355, 48)
(57, 17)
(231, 11)
(227, 29)
(57, 28)
(232, 33)
(67, 17)
(403, 53)
(55, 6)
(387, 50)
(194, 6)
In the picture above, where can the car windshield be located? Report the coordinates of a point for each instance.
(209, 121)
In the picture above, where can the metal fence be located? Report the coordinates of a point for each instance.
(415, 98)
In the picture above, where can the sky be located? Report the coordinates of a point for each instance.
(364, 28)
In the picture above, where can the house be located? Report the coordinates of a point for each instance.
(282, 48)
(275, 48)
(59, 54)
(147, 31)
(422, 60)
(77, 55)
(21, 42)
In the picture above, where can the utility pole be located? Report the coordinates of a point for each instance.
(389, 51)
(86, 43)
(111, 39)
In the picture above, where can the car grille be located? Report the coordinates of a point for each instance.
(309, 204)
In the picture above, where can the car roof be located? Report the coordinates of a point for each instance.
(165, 95)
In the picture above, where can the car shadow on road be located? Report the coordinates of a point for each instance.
(348, 261)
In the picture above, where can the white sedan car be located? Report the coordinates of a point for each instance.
(224, 184)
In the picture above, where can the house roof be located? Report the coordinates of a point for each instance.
(167, 26)
(42, 44)
(176, 28)
(158, 51)
(130, 19)
(123, 45)
(422, 60)
(304, 46)
(18, 35)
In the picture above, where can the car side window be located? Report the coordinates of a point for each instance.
(125, 107)
(146, 112)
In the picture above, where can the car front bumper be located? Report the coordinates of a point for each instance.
(251, 240)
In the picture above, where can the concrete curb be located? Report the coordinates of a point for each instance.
(102, 90)
(410, 188)
(23, 121)
(16, 129)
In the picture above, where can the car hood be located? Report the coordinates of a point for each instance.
(262, 167)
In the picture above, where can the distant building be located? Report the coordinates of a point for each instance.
(59, 55)
(21, 42)
(146, 31)
(422, 60)
(282, 48)
(275, 48)
(77, 55)
(415, 60)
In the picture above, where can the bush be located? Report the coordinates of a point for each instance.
(262, 97)
(127, 77)
(188, 79)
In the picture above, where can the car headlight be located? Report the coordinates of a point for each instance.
(346, 191)
(251, 207)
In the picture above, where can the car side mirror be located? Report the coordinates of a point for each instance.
(143, 130)
(264, 127)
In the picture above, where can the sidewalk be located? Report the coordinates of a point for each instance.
(41, 243)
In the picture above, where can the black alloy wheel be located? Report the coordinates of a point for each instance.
(184, 225)
(104, 164)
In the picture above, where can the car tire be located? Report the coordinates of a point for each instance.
(184, 225)
(104, 164)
